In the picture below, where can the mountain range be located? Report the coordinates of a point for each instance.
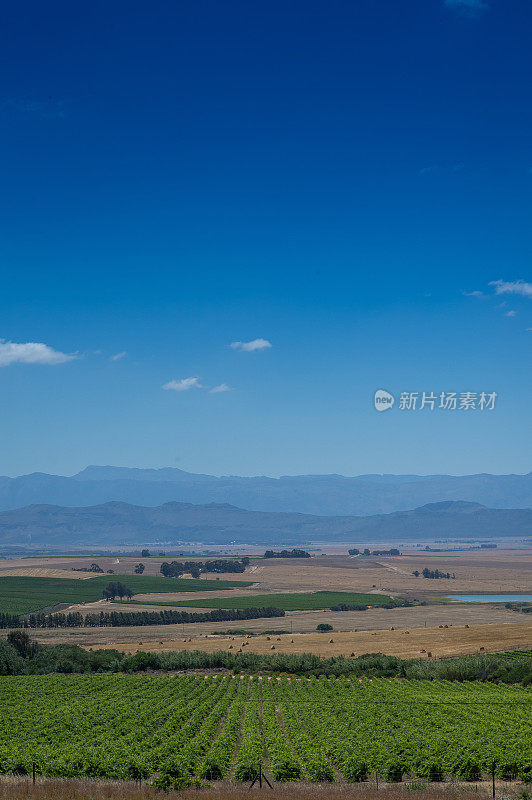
(118, 523)
(324, 495)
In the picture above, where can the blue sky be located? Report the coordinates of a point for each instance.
(346, 181)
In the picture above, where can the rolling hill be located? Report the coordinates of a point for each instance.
(308, 494)
(118, 523)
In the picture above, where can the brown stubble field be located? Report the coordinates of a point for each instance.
(20, 788)
(404, 642)
(476, 571)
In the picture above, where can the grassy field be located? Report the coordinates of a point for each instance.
(22, 595)
(297, 601)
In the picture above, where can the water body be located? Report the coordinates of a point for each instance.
(491, 598)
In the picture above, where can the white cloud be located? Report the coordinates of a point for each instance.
(511, 313)
(118, 356)
(249, 347)
(469, 7)
(31, 353)
(183, 385)
(513, 287)
(475, 293)
(222, 387)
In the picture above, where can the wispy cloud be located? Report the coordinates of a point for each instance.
(118, 356)
(429, 170)
(31, 353)
(513, 287)
(475, 293)
(183, 385)
(468, 7)
(222, 387)
(250, 347)
(511, 313)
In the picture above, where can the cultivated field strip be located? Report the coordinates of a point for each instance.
(213, 727)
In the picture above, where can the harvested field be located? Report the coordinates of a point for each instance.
(404, 643)
(454, 640)
(41, 572)
(296, 621)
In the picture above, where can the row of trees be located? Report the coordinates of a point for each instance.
(19, 655)
(175, 569)
(295, 553)
(122, 619)
(367, 552)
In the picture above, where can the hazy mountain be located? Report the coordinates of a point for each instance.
(309, 494)
(120, 523)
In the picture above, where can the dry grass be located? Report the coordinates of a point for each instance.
(403, 642)
(22, 789)
(41, 572)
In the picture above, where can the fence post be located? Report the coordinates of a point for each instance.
(33, 772)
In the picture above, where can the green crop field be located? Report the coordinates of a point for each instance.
(304, 601)
(317, 729)
(21, 595)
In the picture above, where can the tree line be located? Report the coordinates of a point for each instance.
(19, 655)
(295, 553)
(175, 569)
(123, 619)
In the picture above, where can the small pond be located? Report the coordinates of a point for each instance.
(492, 598)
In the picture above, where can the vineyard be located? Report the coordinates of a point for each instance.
(311, 729)
(22, 595)
(294, 601)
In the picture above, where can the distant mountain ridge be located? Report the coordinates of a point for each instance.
(328, 495)
(117, 523)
